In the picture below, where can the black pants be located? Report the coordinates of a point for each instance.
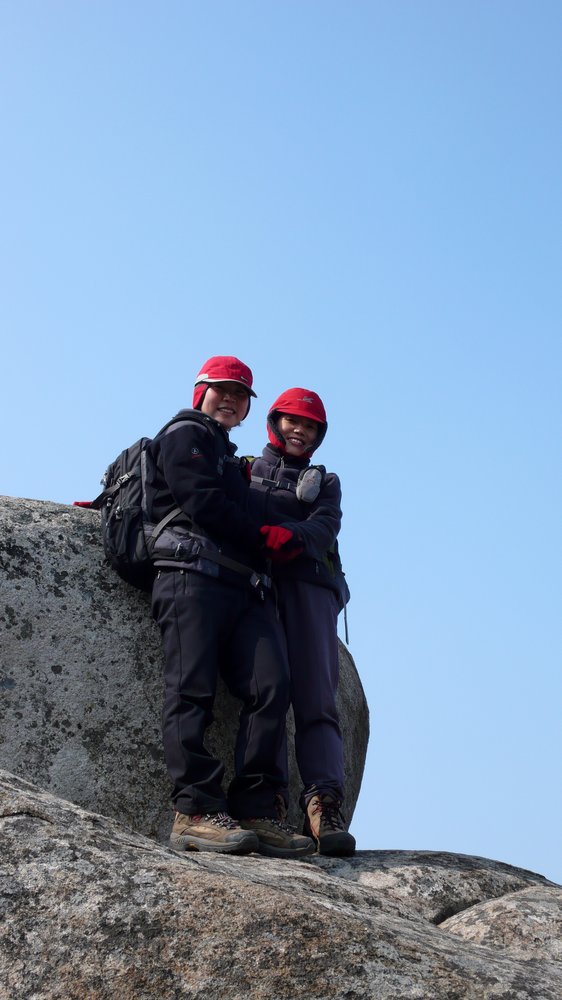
(209, 626)
(310, 616)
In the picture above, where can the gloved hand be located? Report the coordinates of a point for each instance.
(82, 503)
(281, 544)
(275, 536)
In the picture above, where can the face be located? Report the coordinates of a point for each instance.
(226, 402)
(300, 433)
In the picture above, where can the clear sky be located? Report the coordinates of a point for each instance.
(363, 198)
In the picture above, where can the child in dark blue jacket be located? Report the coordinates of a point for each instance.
(304, 502)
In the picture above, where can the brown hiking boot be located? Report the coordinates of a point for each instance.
(211, 832)
(325, 824)
(277, 838)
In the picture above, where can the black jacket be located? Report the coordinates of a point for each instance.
(194, 467)
(317, 523)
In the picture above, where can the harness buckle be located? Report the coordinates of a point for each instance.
(260, 583)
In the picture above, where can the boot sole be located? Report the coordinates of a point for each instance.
(184, 842)
(336, 847)
(285, 852)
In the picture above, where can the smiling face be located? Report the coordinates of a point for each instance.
(226, 402)
(300, 433)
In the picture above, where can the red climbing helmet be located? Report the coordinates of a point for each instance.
(299, 403)
(222, 368)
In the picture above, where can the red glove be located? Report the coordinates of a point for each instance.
(282, 545)
(82, 503)
(275, 536)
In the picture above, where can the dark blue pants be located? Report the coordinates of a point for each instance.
(310, 613)
(209, 626)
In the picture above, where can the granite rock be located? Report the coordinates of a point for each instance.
(80, 675)
(92, 910)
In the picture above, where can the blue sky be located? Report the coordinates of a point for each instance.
(363, 199)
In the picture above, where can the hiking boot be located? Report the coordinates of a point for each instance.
(325, 824)
(277, 839)
(211, 832)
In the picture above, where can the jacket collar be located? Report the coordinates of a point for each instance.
(277, 456)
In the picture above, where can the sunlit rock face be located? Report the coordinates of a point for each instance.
(81, 669)
(91, 909)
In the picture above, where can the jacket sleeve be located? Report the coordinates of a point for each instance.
(320, 528)
(189, 463)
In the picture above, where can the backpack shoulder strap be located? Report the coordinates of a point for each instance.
(307, 487)
(275, 484)
(188, 417)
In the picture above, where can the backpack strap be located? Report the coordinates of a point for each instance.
(307, 487)
(276, 484)
(159, 528)
(200, 420)
(188, 417)
(99, 501)
(258, 581)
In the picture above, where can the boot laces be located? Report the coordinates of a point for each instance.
(330, 814)
(282, 825)
(281, 820)
(223, 820)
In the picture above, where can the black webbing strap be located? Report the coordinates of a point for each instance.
(164, 524)
(196, 532)
(255, 579)
(107, 493)
(233, 565)
(281, 484)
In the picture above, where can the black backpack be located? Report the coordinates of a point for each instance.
(128, 531)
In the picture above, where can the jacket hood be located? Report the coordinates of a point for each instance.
(299, 403)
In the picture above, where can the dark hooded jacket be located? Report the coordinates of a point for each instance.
(317, 523)
(194, 467)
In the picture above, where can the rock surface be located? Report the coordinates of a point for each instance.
(91, 910)
(80, 675)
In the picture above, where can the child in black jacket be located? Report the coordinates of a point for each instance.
(304, 502)
(216, 614)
